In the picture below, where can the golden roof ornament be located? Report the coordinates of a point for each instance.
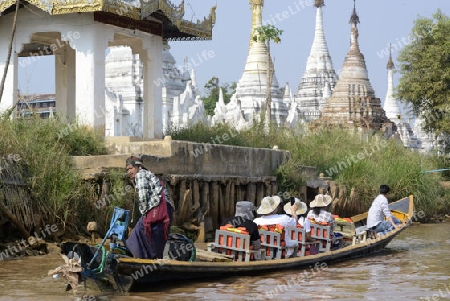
(319, 3)
(390, 64)
(354, 19)
(256, 2)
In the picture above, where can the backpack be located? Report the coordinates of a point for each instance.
(179, 247)
(157, 214)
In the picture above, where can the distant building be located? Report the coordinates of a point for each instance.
(42, 105)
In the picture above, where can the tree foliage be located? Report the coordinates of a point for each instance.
(212, 88)
(425, 69)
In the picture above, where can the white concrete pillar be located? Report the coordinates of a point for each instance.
(9, 97)
(151, 57)
(90, 75)
(65, 80)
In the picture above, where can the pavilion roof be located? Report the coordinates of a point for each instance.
(159, 17)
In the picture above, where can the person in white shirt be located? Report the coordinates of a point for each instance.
(302, 220)
(269, 216)
(269, 213)
(378, 211)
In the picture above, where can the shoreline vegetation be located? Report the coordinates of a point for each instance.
(48, 192)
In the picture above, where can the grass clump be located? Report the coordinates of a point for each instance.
(45, 147)
(363, 162)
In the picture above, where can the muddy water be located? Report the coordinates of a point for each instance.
(415, 266)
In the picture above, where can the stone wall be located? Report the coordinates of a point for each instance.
(205, 181)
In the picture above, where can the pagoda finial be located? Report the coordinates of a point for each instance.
(390, 64)
(319, 3)
(354, 19)
(256, 2)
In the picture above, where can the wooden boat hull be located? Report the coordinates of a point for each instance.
(160, 270)
(129, 273)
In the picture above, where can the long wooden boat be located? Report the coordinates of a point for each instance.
(124, 273)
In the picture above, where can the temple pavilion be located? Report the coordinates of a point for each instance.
(78, 33)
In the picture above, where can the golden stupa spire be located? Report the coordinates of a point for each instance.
(390, 64)
(256, 8)
(354, 19)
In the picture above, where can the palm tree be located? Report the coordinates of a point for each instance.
(265, 34)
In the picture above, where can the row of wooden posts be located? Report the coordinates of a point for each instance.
(203, 202)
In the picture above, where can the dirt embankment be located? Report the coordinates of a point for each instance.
(445, 184)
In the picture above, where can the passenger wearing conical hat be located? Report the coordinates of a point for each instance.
(269, 216)
(269, 213)
(301, 213)
(318, 210)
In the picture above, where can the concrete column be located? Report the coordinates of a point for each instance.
(90, 76)
(9, 97)
(65, 79)
(152, 60)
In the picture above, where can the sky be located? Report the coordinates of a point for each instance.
(382, 22)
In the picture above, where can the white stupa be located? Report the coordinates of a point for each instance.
(393, 112)
(251, 88)
(319, 78)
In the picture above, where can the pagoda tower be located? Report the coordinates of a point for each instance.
(319, 77)
(353, 102)
(393, 112)
(251, 88)
(390, 104)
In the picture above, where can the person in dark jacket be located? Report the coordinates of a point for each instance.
(244, 218)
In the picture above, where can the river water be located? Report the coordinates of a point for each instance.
(414, 266)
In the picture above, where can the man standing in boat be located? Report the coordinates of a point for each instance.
(151, 232)
(378, 211)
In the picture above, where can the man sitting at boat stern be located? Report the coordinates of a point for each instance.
(244, 218)
(378, 211)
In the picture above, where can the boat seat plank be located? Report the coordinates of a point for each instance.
(209, 256)
(360, 235)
